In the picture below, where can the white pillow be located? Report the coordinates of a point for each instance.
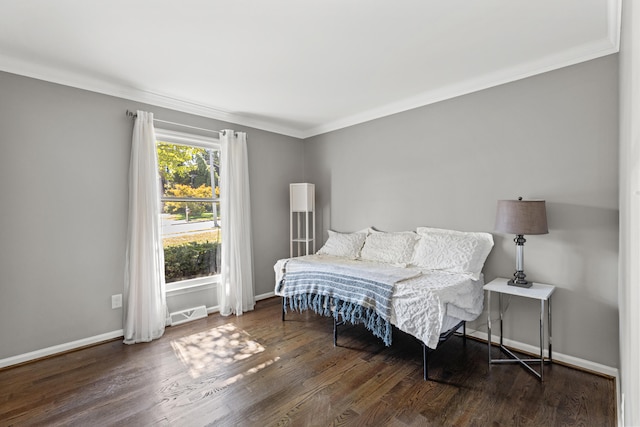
(392, 248)
(346, 245)
(451, 250)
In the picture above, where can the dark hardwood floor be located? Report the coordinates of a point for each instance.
(256, 370)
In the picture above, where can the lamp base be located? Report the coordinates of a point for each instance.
(519, 280)
(523, 284)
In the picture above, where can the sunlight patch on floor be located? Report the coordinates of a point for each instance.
(218, 346)
(251, 371)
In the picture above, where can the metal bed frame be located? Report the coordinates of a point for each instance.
(425, 350)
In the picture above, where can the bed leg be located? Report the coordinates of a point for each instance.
(335, 332)
(284, 304)
(464, 333)
(425, 361)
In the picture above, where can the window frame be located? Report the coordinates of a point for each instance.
(199, 141)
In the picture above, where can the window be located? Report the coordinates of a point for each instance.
(188, 170)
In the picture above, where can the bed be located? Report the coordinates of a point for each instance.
(426, 283)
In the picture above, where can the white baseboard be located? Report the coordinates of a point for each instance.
(569, 360)
(61, 348)
(265, 296)
(49, 351)
(216, 308)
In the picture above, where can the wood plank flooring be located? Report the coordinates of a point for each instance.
(256, 370)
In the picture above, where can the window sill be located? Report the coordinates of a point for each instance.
(193, 285)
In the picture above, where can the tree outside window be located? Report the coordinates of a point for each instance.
(190, 216)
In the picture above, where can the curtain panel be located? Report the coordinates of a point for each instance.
(236, 293)
(145, 309)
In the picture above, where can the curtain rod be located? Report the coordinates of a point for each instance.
(134, 115)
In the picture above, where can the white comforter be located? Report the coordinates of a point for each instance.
(423, 306)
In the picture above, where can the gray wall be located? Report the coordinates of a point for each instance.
(552, 136)
(64, 196)
(65, 159)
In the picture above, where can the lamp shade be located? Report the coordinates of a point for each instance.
(302, 197)
(521, 217)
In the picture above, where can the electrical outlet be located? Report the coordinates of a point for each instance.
(116, 301)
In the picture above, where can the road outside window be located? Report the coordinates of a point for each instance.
(190, 209)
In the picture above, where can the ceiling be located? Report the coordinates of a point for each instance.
(299, 67)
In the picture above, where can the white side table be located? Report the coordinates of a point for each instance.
(537, 291)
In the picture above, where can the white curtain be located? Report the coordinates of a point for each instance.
(145, 310)
(236, 293)
(629, 286)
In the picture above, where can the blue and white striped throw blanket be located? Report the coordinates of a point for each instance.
(355, 293)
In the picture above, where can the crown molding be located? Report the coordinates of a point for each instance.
(500, 77)
(82, 81)
(586, 52)
(608, 45)
(614, 22)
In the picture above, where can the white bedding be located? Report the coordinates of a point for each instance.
(423, 306)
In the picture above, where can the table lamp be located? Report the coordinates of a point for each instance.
(521, 217)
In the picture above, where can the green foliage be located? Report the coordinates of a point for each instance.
(186, 165)
(191, 260)
(175, 161)
(188, 172)
(196, 209)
